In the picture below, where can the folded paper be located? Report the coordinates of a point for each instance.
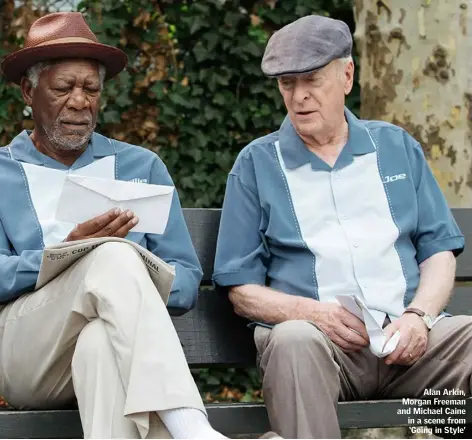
(373, 321)
(84, 198)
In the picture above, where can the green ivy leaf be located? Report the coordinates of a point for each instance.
(239, 117)
(200, 52)
(212, 39)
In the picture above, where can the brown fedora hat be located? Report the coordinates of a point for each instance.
(61, 35)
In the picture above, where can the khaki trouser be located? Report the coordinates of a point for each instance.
(101, 333)
(305, 374)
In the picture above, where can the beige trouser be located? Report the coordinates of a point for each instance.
(305, 374)
(101, 333)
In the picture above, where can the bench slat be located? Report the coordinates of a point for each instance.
(230, 419)
(40, 424)
(212, 334)
(203, 225)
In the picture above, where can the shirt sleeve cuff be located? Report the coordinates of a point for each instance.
(225, 279)
(453, 244)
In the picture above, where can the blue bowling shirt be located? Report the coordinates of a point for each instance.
(362, 227)
(31, 184)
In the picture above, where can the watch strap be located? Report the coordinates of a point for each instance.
(427, 319)
(418, 312)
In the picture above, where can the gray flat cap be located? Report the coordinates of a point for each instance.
(305, 45)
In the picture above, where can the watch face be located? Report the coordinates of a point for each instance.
(428, 321)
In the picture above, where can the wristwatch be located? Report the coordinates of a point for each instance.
(427, 319)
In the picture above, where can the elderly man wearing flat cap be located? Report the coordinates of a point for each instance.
(329, 223)
(100, 331)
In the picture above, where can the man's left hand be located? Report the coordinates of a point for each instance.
(413, 339)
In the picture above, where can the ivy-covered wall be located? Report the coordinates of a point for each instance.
(193, 92)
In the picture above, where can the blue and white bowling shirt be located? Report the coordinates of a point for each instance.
(362, 227)
(31, 184)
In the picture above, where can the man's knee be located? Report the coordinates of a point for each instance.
(113, 263)
(91, 342)
(458, 328)
(116, 253)
(451, 338)
(296, 336)
(463, 321)
(113, 281)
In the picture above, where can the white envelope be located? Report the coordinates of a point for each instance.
(84, 198)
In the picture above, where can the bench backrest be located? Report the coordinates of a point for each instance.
(212, 334)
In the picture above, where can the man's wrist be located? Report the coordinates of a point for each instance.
(428, 320)
(312, 306)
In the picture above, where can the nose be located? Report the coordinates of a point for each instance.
(300, 93)
(78, 99)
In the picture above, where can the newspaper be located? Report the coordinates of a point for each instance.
(56, 259)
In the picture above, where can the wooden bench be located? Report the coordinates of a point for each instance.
(212, 335)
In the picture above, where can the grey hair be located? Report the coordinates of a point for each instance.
(34, 72)
(342, 63)
(346, 60)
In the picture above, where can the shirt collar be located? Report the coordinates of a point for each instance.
(295, 153)
(23, 150)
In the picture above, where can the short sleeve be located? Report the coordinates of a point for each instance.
(437, 230)
(241, 253)
(176, 248)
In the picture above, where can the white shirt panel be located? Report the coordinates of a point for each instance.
(45, 187)
(345, 220)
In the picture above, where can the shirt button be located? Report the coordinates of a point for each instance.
(344, 217)
(356, 245)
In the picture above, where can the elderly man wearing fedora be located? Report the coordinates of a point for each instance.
(100, 331)
(329, 211)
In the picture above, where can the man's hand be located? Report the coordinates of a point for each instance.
(112, 224)
(342, 327)
(413, 339)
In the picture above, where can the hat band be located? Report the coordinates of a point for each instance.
(66, 40)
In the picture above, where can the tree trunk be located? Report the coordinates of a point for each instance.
(416, 72)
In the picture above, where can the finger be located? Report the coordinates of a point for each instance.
(389, 331)
(123, 231)
(110, 229)
(350, 337)
(403, 345)
(344, 345)
(408, 355)
(96, 224)
(417, 356)
(422, 348)
(335, 339)
(417, 345)
(73, 235)
(410, 352)
(354, 323)
(418, 350)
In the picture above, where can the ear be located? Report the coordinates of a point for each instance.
(348, 77)
(27, 90)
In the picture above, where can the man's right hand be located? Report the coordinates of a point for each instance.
(114, 223)
(342, 327)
